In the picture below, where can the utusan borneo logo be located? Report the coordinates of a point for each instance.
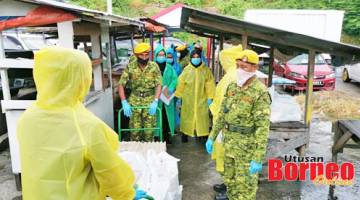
(320, 173)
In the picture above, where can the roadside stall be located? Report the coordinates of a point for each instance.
(292, 133)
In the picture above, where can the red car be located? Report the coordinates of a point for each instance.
(296, 69)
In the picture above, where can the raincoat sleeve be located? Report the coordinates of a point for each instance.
(124, 77)
(174, 80)
(220, 122)
(115, 177)
(261, 114)
(181, 85)
(209, 84)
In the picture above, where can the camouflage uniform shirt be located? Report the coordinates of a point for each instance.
(141, 80)
(247, 106)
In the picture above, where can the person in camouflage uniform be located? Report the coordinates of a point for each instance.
(144, 79)
(244, 119)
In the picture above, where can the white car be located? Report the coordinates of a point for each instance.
(351, 72)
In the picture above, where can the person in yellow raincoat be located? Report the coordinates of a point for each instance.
(228, 62)
(184, 58)
(196, 88)
(66, 151)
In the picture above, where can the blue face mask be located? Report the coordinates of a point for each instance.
(195, 61)
(170, 60)
(160, 59)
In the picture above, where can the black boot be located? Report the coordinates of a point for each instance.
(220, 188)
(184, 138)
(221, 196)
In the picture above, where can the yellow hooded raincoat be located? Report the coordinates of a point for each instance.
(66, 151)
(195, 87)
(228, 62)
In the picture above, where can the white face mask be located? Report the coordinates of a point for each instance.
(243, 76)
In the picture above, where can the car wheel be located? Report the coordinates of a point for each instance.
(345, 76)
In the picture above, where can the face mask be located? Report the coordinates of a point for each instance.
(160, 59)
(196, 61)
(243, 76)
(142, 61)
(169, 60)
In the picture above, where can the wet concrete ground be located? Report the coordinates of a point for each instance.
(197, 172)
(7, 180)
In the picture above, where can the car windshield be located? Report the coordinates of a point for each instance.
(303, 59)
(34, 43)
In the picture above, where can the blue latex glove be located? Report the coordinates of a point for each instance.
(209, 145)
(171, 91)
(255, 167)
(209, 102)
(153, 107)
(139, 194)
(178, 103)
(127, 108)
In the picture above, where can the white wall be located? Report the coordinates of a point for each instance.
(172, 18)
(102, 106)
(323, 24)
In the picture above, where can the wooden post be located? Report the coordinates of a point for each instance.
(105, 39)
(271, 66)
(309, 89)
(220, 70)
(208, 50)
(337, 134)
(163, 39)
(332, 187)
(66, 34)
(244, 39)
(339, 144)
(114, 48)
(213, 56)
(3, 73)
(132, 41)
(152, 46)
(96, 53)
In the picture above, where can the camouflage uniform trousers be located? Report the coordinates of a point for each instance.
(239, 149)
(141, 118)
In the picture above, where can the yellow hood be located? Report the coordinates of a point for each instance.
(62, 77)
(228, 57)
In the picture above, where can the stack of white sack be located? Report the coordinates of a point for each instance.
(156, 171)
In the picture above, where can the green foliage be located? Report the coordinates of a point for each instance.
(237, 8)
(351, 23)
(91, 4)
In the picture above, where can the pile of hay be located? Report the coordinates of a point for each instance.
(333, 105)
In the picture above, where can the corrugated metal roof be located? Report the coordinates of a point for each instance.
(195, 20)
(87, 12)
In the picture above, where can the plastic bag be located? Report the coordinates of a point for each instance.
(284, 108)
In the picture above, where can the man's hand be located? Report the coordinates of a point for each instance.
(209, 145)
(255, 167)
(153, 107)
(127, 108)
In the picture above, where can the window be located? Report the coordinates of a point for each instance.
(11, 43)
(34, 43)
